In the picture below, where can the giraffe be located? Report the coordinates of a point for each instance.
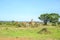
(32, 23)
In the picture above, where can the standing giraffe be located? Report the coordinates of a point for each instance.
(32, 23)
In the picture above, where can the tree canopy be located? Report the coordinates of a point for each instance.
(51, 17)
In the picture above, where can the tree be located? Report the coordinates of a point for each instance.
(44, 18)
(52, 17)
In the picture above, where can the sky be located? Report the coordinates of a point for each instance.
(25, 10)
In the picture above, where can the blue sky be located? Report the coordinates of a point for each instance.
(25, 10)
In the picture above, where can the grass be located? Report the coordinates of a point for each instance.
(29, 32)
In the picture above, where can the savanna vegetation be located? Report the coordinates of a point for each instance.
(46, 30)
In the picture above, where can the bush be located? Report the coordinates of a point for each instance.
(0, 23)
(44, 30)
(19, 25)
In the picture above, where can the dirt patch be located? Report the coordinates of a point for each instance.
(17, 38)
(25, 38)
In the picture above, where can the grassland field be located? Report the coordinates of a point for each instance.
(16, 32)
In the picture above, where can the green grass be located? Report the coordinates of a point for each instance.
(29, 32)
